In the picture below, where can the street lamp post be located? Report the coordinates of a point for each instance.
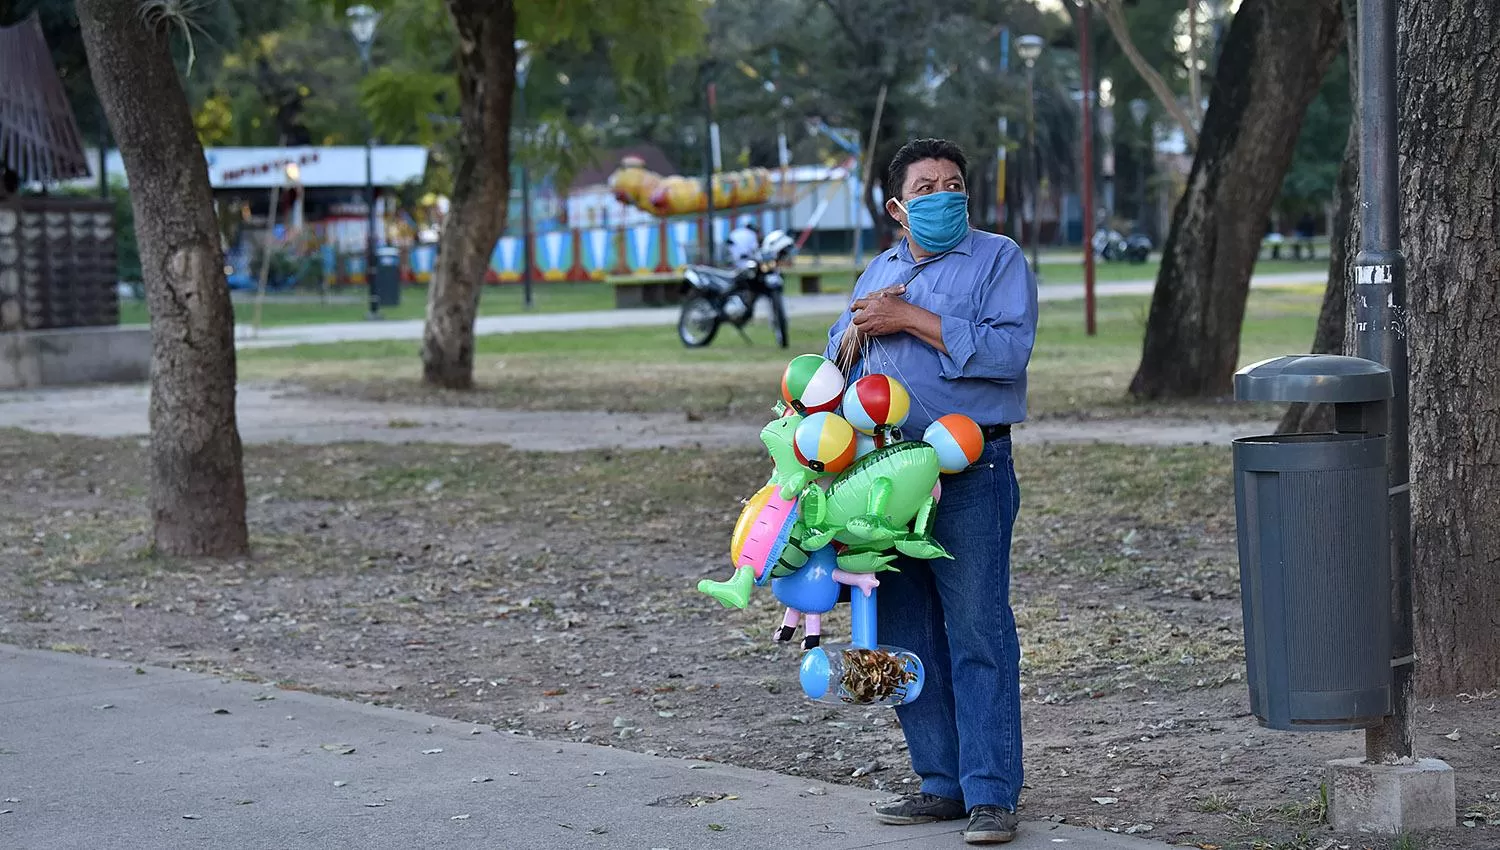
(1029, 47)
(1088, 169)
(1138, 109)
(362, 23)
(523, 65)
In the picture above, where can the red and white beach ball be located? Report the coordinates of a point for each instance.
(875, 401)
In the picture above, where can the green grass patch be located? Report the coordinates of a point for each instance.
(649, 370)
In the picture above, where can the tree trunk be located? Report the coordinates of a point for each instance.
(486, 59)
(1274, 60)
(1301, 417)
(197, 482)
(1330, 337)
(1450, 234)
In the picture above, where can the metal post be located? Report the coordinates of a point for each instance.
(1035, 169)
(708, 166)
(370, 200)
(1378, 292)
(1088, 169)
(528, 250)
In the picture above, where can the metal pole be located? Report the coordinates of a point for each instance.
(1036, 167)
(1378, 292)
(528, 256)
(370, 202)
(1088, 170)
(708, 168)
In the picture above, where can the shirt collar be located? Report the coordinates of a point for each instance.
(903, 249)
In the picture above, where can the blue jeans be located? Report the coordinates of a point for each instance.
(964, 731)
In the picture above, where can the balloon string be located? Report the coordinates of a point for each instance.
(911, 391)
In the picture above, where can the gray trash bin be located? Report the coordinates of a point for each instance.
(388, 276)
(1314, 552)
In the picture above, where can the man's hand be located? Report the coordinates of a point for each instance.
(883, 312)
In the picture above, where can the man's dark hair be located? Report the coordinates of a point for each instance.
(916, 151)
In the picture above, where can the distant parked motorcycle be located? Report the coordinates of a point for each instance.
(714, 296)
(1110, 245)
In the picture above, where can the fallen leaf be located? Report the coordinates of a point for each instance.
(339, 783)
(373, 805)
(341, 749)
(599, 830)
(6, 811)
(459, 817)
(554, 692)
(600, 772)
(1105, 801)
(221, 711)
(191, 817)
(10, 800)
(717, 827)
(481, 779)
(104, 706)
(1453, 736)
(262, 697)
(1139, 828)
(432, 752)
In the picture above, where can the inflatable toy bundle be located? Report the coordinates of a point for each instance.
(847, 495)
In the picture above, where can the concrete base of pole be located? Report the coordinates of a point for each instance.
(1390, 798)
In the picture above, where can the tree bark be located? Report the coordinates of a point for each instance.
(1449, 100)
(197, 482)
(486, 58)
(1274, 60)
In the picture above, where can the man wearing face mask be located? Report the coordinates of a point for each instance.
(951, 313)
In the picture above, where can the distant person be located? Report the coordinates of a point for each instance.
(1307, 228)
(744, 242)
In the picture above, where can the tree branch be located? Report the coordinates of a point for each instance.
(1114, 18)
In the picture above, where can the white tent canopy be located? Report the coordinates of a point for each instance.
(318, 167)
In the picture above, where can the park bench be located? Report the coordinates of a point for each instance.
(664, 289)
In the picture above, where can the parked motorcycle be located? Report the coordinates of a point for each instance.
(714, 296)
(1110, 245)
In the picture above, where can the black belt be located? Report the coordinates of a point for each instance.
(994, 432)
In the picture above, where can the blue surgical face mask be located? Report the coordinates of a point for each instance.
(938, 221)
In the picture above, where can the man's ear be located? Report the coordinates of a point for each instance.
(893, 210)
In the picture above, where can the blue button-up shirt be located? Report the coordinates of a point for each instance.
(987, 300)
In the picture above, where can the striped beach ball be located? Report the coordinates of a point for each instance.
(875, 401)
(811, 384)
(824, 442)
(957, 439)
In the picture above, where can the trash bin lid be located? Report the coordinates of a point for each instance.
(1329, 378)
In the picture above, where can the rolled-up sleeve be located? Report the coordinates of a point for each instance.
(996, 344)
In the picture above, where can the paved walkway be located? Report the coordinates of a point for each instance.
(267, 413)
(797, 305)
(97, 753)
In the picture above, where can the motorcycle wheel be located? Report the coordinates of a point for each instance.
(698, 322)
(778, 320)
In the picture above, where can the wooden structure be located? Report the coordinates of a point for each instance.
(57, 255)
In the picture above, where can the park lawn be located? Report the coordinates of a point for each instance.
(507, 299)
(649, 370)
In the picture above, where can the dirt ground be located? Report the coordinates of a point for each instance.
(553, 592)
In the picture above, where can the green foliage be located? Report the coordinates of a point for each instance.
(1313, 176)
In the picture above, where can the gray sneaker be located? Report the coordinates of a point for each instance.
(991, 825)
(919, 808)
